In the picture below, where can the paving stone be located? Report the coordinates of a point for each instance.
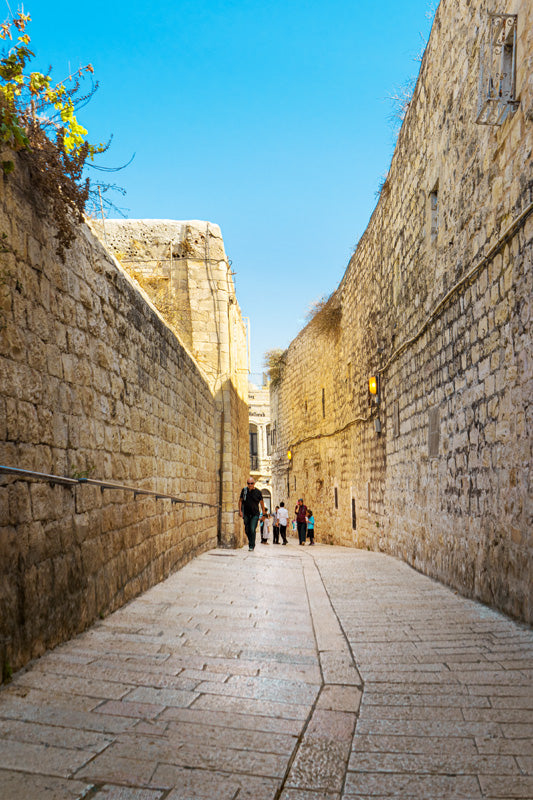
(501, 746)
(414, 787)
(501, 788)
(110, 792)
(413, 744)
(264, 713)
(514, 715)
(64, 718)
(23, 731)
(338, 667)
(262, 689)
(434, 763)
(77, 686)
(54, 699)
(229, 666)
(444, 699)
(124, 675)
(525, 762)
(340, 698)
(24, 786)
(320, 763)
(198, 675)
(211, 702)
(301, 657)
(418, 712)
(336, 725)
(521, 701)
(292, 672)
(109, 768)
(128, 708)
(161, 697)
(41, 759)
(400, 727)
(517, 731)
(192, 784)
(272, 765)
(229, 719)
(304, 794)
(234, 738)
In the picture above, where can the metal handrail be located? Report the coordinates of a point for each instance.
(27, 474)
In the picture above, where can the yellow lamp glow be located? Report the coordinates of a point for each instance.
(373, 384)
(289, 454)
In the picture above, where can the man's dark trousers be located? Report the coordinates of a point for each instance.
(302, 531)
(250, 525)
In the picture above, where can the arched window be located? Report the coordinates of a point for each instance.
(267, 499)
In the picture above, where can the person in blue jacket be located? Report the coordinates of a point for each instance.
(310, 526)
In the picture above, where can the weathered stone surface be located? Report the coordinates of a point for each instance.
(405, 738)
(96, 383)
(444, 485)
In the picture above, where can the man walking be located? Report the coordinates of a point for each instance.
(275, 527)
(249, 502)
(283, 518)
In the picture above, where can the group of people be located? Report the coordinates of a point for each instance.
(253, 511)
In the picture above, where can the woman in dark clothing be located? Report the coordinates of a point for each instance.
(301, 520)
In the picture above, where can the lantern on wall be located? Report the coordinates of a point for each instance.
(374, 388)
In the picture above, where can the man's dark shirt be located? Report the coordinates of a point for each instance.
(301, 513)
(250, 504)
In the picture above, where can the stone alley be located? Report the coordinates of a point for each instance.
(284, 673)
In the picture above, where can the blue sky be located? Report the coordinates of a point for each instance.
(270, 119)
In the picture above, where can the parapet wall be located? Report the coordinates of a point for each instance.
(436, 300)
(94, 383)
(182, 266)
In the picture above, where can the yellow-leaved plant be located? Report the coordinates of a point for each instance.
(38, 119)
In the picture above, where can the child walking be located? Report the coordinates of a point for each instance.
(310, 526)
(265, 533)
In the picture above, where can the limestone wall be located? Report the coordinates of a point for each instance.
(93, 382)
(182, 265)
(441, 310)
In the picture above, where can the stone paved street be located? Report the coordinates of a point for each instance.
(286, 674)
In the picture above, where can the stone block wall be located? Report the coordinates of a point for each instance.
(438, 304)
(93, 383)
(183, 267)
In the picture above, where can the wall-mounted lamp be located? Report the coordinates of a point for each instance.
(374, 387)
(289, 455)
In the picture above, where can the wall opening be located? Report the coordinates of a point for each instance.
(433, 432)
(433, 211)
(254, 448)
(395, 419)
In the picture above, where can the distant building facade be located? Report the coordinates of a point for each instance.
(260, 432)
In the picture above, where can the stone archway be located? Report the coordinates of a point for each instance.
(267, 498)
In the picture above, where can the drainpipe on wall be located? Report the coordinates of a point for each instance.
(220, 476)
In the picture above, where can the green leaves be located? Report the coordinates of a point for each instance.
(38, 116)
(23, 96)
